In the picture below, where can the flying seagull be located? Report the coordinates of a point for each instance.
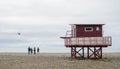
(19, 33)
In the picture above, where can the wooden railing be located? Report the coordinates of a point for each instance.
(89, 41)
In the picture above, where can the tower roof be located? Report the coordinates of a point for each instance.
(87, 24)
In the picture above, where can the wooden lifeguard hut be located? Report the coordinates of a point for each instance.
(86, 40)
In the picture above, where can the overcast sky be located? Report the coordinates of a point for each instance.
(42, 22)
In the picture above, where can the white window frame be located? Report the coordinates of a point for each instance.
(97, 28)
(88, 27)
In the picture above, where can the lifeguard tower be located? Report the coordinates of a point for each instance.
(86, 40)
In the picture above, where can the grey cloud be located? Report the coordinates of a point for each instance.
(59, 8)
(44, 21)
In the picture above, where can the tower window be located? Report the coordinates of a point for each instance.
(97, 28)
(88, 28)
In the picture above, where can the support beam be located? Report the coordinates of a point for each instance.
(88, 52)
(92, 52)
(83, 52)
(73, 52)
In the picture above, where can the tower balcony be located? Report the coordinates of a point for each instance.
(87, 41)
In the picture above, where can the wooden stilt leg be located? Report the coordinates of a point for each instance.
(94, 52)
(71, 52)
(74, 52)
(83, 52)
(88, 52)
(101, 52)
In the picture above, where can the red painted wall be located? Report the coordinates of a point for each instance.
(80, 31)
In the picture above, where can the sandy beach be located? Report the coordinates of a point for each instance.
(57, 61)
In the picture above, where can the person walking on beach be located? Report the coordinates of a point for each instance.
(38, 50)
(34, 50)
(29, 50)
